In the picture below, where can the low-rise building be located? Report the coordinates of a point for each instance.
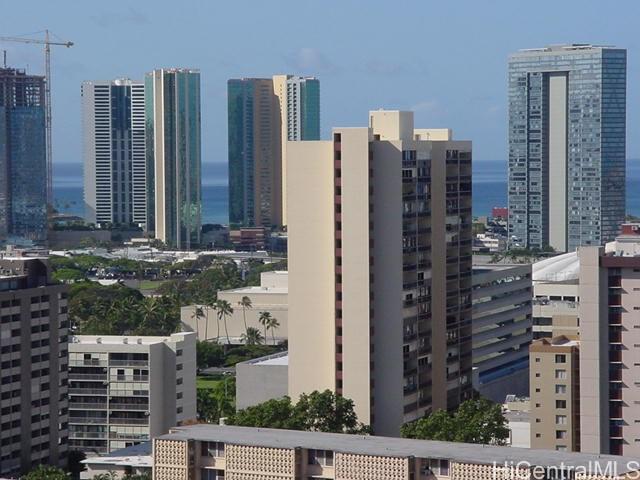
(134, 460)
(501, 315)
(271, 296)
(212, 452)
(125, 390)
(555, 394)
(261, 379)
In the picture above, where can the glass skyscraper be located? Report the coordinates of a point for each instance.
(567, 121)
(23, 164)
(263, 115)
(174, 196)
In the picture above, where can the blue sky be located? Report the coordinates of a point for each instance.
(446, 60)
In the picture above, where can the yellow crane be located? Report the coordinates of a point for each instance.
(47, 42)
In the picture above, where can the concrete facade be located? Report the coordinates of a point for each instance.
(211, 452)
(387, 319)
(262, 379)
(555, 394)
(128, 390)
(33, 355)
(501, 329)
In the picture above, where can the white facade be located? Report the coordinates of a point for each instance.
(114, 152)
(124, 390)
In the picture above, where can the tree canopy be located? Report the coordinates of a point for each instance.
(317, 411)
(475, 421)
(46, 472)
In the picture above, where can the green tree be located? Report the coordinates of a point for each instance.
(317, 411)
(265, 319)
(209, 354)
(197, 314)
(475, 421)
(244, 303)
(224, 309)
(46, 472)
(273, 324)
(110, 475)
(252, 336)
(68, 275)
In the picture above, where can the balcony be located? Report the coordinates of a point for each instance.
(83, 420)
(126, 363)
(87, 391)
(86, 406)
(73, 435)
(129, 406)
(87, 376)
(128, 421)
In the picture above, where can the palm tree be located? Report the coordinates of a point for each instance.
(252, 336)
(149, 310)
(245, 302)
(264, 319)
(210, 303)
(272, 324)
(224, 309)
(197, 314)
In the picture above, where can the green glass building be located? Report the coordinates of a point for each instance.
(172, 123)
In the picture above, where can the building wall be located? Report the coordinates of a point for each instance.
(124, 392)
(312, 341)
(33, 336)
(257, 382)
(555, 414)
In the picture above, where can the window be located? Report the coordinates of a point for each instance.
(561, 434)
(561, 404)
(320, 457)
(561, 389)
(537, 359)
(212, 449)
(439, 466)
(561, 359)
(561, 374)
(561, 419)
(212, 474)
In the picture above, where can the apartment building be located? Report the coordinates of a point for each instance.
(501, 329)
(555, 394)
(125, 390)
(380, 218)
(113, 126)
(567, 121)
(172, 130)
(212, 452)
(263, 115)
(33, 363)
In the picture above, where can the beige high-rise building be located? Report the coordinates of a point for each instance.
(555, 394)
(379, 225)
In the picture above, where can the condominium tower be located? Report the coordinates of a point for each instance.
(23, 164)
(33, 369)
(125, 390)
(380, 219)
(114, 152)
(567, 109)
(263, 114)
(174, 197)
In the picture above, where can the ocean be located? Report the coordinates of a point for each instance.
(489, 189)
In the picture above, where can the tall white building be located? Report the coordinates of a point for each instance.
(114, 152)
(125, 390)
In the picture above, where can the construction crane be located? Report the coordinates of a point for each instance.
(47, 42)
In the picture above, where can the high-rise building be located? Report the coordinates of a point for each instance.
(555, 394)
(263, 114)
(23, 163)
(174, 196)
(114, 152)
(380, 269)
(501, 329)
(127, 390)
(567, 111)
(33, 365)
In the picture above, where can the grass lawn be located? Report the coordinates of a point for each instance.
(150, 284)
(207, 381)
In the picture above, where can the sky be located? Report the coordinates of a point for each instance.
(445, 60)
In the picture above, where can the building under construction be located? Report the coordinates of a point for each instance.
(23, 162)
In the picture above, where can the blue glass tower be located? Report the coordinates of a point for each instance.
(23, 165)
(567, 122)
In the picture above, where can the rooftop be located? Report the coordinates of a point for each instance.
(397, 447)
(135, 456)
(280, 358)
(568, 47)
(125, 339)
